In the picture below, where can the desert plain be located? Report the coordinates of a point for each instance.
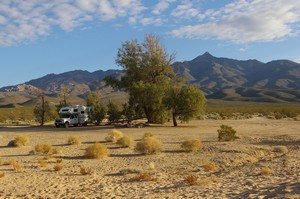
(263, 163)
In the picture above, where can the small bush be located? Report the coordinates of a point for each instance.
(114, 136)
(191, 180)
(43, 163)
(145, 176)
(149, 145)
(226, 133)
(148, 134)
(74, 140)
(2, 174)
(125, 141)
(96, 151)
(280, 149)
(43, 149)
(266, 171)
(193, 145)
(16, 166)
(19, 141)
(57, 151)
(58, 167)
(85, 171)
(209, 167)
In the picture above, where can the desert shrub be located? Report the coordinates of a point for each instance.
(58, 167)
(59, 161)
(226, 133)
(149, 145)
(74, 140)
(2, 174)
(16, 166)
(191, 180)
(96, 151)
(85, 171)
(20, 140)
(125, 141)
(280, 149)
(145, 176)
(209, 167)
(148, 134)
(266, 171)
(43, 149)
(42, 163)
(114, 135)
(192, 145)
(57, 151)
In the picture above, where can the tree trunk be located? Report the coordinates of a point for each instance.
(174, 119)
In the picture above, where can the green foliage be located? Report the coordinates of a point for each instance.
(185, 102)
(226, 133)
(99, 110)
(23, 114)
(114, 112)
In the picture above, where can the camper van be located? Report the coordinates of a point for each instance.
(74, 116)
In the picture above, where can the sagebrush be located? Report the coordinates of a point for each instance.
(74, 140)
(43, 149)
(125, 141)
(192, 145)
(226, 133)
(148, 145)
(114, 136)
(19, 141)
(96, 151)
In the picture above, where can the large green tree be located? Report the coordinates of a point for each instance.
(44, 112)
(146, 78)
(99, 109)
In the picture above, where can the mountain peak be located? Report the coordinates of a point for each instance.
(207, 54)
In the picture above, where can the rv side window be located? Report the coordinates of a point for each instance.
(65, 110)
(76, 110)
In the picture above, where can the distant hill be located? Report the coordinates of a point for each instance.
(219, 78)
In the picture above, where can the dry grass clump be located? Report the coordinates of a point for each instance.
(226, 133)
(57, 151)
(16, 166)
(58, 167)
(85, 171)
(43, 149)
(148, 145)
(96, 151)
(59, 161)
(192, 145)
(19, 141)
(147, 134)
(191, 180)
(209, 167)
(2, 174)
(145, 176)
(280, 149)
(114, 136)
(74, 140)
(43, 163)
(125, 141)
(266, 171)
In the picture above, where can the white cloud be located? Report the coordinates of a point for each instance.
(247, 21)
(161, 6)
(151, 21)
(185, 10)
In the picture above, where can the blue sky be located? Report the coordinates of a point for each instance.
(42, 37)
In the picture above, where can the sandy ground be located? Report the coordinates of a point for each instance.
(237, 174)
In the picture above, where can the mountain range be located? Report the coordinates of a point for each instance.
(218, 78)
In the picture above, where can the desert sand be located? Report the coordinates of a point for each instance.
(249, 167)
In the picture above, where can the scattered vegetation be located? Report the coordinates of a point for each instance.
(191, 180)
(74, 140)
(58, 167)
(85, 171)
(19, 141)
(96, 151)
(125, 141)
(45, 149)
(2, 174)
(266, 171)
(147, 134)
(57, 151)
(145, 176)
(148, 145)
(59, 161)
(16, 166)
(209, 167)
(42, 163)
(114, 136)
(226, 133)
(192, 145)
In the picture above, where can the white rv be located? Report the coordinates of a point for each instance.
(73, 115)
